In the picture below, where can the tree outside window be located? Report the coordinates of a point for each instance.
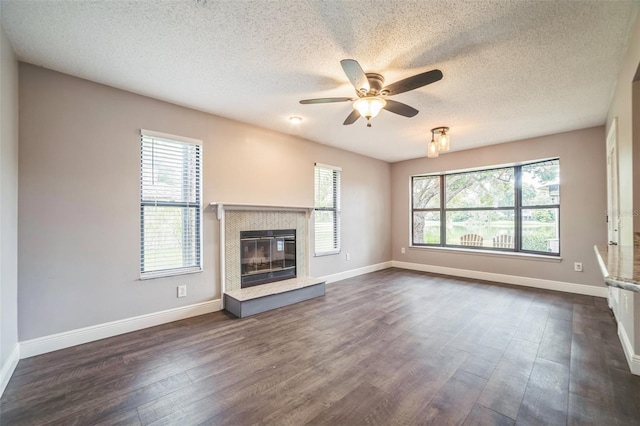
(507, 209)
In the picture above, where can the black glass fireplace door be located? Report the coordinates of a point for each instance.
(267, 256)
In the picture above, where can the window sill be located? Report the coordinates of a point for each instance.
(326, 253)
(163, 274)
(503, 254)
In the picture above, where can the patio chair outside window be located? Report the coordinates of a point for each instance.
(503, 241)
(471, 240)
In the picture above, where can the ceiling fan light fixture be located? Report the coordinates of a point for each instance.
(369, 106)
(370, 90)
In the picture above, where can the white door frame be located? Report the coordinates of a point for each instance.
(613, 201)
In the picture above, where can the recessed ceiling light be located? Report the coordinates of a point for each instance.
(295, 120)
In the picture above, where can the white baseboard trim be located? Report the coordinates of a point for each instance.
(355, 272)
(9, 367)
(587, 290)
(633, 359)
(42, 345)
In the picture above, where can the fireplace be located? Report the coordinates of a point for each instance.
(267, 256)
(237, 218)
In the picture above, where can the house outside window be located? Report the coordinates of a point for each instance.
(514, 208)
(326, 209)
(170, 205)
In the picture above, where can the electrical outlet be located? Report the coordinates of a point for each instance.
(348, 256)
(577, 266)
(403, 250)
(182, 291)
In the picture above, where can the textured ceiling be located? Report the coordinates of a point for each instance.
(512, 69)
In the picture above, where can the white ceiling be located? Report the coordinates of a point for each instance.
(512, 69)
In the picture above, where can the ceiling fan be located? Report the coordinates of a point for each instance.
(371, 95)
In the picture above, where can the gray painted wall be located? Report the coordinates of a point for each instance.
(79, 194)
(621, 107)
(79, 160)
(8, 200)
(582, 205)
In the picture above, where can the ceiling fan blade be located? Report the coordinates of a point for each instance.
(400, 108)
(352, 118)
(414, 82)
(324, 100)
(356, 75)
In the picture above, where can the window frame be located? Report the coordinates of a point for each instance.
(335, 208)
(196, 206)
(517, 210)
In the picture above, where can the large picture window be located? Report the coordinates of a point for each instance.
(326, 209)
(170, 215)
(507, 209)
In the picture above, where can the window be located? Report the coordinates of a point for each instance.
(170, 216)
(327, 209)
(508, 209)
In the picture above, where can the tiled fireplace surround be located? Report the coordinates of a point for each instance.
(244, 217)
(237, 221)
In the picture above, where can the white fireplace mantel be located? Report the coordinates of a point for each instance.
(221, 207)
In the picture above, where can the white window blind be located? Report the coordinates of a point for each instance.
(170, 214)
(327, 209)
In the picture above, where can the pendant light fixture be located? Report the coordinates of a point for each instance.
(432, 148)
(442, 144)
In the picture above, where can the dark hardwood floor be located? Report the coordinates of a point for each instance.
(391, 347)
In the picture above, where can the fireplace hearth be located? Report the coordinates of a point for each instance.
(267, 256)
